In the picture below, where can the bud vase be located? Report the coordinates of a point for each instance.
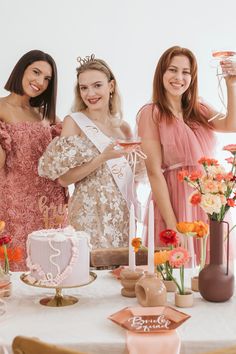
(5, 285)
(150, 290)
(216, 282)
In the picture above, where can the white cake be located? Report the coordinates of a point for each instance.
(58, 257)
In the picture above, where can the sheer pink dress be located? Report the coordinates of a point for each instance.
(182, 147)
(28, 202)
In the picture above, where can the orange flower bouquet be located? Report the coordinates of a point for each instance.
(215, 188)
(197, 229)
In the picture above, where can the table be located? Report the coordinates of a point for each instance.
(84, 326)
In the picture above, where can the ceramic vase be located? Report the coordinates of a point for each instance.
(185, 300)
(216, 282)
(150, 290)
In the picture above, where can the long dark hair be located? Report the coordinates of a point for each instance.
(192, 109)
(46, 102)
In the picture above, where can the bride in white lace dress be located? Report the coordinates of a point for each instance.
(87, 156)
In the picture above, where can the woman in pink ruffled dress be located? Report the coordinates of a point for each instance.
(177, 130)
(27, 125)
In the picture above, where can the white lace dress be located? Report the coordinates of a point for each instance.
(96, 206)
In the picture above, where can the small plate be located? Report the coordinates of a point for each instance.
(149, 319)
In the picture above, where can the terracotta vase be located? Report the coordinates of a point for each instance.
(185, 300)
(170, 286)
(150, 290)
(216, 282)
(195, 283)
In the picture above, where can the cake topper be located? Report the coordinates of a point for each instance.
(54, 216)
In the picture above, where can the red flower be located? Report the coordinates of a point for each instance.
(169, 237)
(182, 174)
(231, 202)
(5, 240)
(195, 198)
(206, 161)
(195, 175)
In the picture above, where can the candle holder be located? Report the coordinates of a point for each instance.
(150, 290)
(128, 279)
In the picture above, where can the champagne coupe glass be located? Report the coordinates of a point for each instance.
(218, 55)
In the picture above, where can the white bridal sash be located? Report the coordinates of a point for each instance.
(119, 167)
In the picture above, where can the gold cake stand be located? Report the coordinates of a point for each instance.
(58, 300)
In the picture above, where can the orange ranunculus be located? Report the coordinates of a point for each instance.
(2, 225)
(201, 229)
(185, 227)
(136, 243)
(161, 257)
(169, 237)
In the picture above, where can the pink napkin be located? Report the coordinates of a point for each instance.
(149, 343)
(152, 343)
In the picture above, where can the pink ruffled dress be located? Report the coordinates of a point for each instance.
(182, 147)
(28, 202)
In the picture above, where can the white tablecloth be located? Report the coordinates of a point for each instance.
(85, 326)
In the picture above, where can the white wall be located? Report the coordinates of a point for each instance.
(129, 34)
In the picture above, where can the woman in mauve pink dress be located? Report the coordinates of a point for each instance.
(27, 125)
(177, 130)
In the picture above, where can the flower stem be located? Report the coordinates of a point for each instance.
(176, 283)
(181, 270)
(6, 263)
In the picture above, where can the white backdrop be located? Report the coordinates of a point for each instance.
(129, 34)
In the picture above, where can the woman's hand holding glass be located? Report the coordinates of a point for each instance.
(113, 151)
(229, 70)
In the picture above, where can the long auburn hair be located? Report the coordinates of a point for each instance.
(192, 111)
(46, 102)
(100, 65)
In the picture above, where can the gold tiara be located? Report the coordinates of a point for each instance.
(86, 59)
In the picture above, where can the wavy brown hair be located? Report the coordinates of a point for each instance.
(192, 109)
(99, 65)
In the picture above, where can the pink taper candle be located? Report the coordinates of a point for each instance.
(131, 236)
(151, 238)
